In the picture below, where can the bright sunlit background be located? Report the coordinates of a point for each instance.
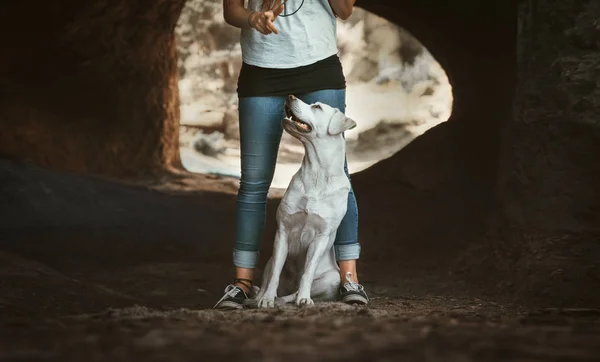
(395, 91)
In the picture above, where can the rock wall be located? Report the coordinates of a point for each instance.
(548, 242)
(93, 87)
(518, 157)
(552, 176)
(474, 42)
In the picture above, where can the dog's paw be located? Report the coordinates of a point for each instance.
(266, 302)
(301, 302)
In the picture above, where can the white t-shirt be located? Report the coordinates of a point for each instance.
(307, 34)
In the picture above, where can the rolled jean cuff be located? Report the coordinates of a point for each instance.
(347, 251)
(245, 259)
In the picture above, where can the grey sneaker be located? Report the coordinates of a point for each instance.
(233, 298)
(353, 293)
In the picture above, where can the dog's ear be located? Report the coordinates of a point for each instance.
(340, 123)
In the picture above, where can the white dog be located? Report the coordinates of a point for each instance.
(303, 266)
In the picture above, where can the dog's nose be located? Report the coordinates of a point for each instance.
(291, 97)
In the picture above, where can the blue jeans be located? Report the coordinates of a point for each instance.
(260, 134)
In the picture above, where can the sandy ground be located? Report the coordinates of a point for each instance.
(164, 315)
(94, 270)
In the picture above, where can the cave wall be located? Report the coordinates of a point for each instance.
(518, 159)
(444, 181)
(546, 234)
(551, 179)
(475, 44)
(90, 86)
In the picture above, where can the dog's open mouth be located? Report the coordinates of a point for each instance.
(300, 125)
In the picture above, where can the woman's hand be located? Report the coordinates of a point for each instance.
(263, 21)
(237, 15)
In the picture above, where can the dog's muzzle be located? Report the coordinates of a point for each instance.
(290, 117)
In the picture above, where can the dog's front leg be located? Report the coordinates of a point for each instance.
(313, 257)
(280, 251)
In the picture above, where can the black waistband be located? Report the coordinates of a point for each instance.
(257, 81)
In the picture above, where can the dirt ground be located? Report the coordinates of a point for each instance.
(92, 270)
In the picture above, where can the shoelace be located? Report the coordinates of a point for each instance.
(230, 291)
(351, 285)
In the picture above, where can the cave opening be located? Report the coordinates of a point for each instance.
(396, 91)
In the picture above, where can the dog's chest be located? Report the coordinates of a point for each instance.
(315, 213)
(303, 218)
(304, 225)
(323, 202)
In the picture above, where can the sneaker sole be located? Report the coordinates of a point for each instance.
(355, 299)
(229, 305)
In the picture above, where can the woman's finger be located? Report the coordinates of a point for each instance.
(278, 11)
(266, 28)
(269, 15)
(259, 28)
(279, 8)
(263, 29)
(275, 4)
(272, 27)
(278, 4)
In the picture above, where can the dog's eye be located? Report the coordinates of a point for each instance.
(317, 106)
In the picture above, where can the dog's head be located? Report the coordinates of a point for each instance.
(317, 120)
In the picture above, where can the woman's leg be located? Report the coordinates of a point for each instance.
(347, 247)
(260, 135)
